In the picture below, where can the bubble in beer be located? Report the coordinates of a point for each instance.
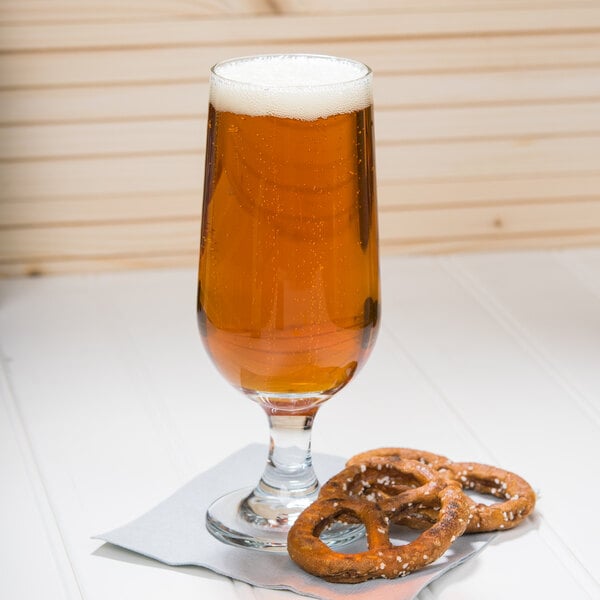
(305, 87)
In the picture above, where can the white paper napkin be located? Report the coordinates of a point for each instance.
(174, 533)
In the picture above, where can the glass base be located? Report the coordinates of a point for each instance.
(232, 520)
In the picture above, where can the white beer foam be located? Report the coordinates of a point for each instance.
(305, 87)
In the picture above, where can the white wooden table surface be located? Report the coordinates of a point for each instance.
(108, 404)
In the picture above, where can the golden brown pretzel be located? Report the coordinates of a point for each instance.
(382, 559)
(518, 496)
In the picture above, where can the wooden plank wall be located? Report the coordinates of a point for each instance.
(487, 120)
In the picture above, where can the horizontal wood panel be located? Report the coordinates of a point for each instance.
(96, 208)
(411, 162)
(152, 238)
(52, 265)
(64, 11)
(102, 175)
(489, 221)
(103, 103)
(490, 191)
(490, 158)
(497, 88)
(418, 196)
(353, 6)
(471, 244)
(61, 11)
(409, 92)
(178, 236)
(284, 28)
(517, 121)
(522, 123)
(112, 66)
(93, 139)
(400, 93)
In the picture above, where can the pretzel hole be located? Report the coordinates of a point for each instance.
(482, 497)
(359, 545)
(419, 516)
(342, 519)
(401, 535)
(333, 520)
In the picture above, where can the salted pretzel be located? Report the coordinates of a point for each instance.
(382, 559)
(517, 495)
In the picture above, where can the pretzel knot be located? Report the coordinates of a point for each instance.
(382, 559)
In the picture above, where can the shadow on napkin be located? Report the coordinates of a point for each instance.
(174, 533)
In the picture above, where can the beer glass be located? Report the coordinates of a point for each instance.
(288, 286)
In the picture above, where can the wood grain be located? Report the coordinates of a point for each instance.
(487, 121)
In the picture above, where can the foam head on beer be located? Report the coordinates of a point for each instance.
(305, 87)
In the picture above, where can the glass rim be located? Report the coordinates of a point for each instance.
(368, 72)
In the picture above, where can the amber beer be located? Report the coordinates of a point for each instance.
(288, 295)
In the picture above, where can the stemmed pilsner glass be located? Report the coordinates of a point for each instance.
(288, 291)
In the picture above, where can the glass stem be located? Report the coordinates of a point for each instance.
(289, 471)
(289, 483)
